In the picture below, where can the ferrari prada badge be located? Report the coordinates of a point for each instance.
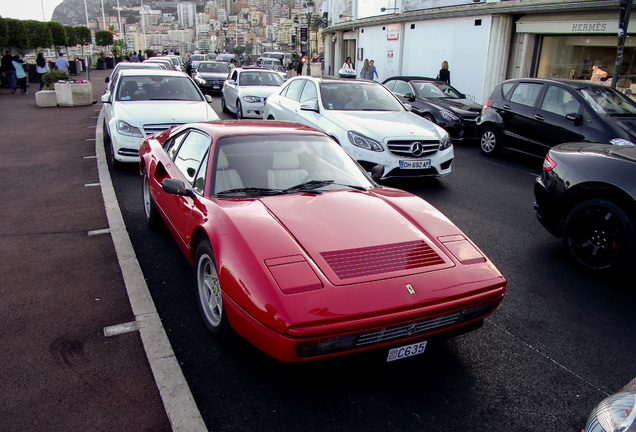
(410, 289)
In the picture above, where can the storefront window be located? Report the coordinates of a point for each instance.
(574, 57)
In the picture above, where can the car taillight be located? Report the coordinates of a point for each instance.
(548, 163)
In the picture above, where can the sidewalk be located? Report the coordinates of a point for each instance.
(62, 285)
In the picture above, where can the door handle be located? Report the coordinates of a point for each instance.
(506, 107)
(539, 117)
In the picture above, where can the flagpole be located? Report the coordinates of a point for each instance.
(90, 47)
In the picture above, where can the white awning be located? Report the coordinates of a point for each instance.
(570, 24)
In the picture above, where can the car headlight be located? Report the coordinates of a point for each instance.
(447, 115)
(621, 141)
(199, 80)
(251, 99)
(444, 141)
(125, 128)
(364, 142)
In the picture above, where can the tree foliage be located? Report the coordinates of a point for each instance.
(38, 34)
(83, 34)
(17, 34)
(4, 34)
(103, 38)
(71, 36)
(59, 33)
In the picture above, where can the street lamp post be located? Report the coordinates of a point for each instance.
(296, 22)
(224, 28)
(309, 10)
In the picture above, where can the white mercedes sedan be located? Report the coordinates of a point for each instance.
(368, 121)
(245, 90)
(147, 101)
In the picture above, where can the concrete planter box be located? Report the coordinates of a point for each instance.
(46, 98)
(74, 94)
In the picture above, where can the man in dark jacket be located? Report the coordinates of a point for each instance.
(7, 68)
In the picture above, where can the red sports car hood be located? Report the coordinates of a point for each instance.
(358, 236)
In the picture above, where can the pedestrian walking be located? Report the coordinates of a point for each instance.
(21, 76)
(9, 70)
(134, 58)
(41, 67)
(444, 73)
(366, 70)
(373, 73)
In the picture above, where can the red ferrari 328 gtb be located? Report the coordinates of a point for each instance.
(298, 250)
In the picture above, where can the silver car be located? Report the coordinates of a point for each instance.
(368, 121)
(245, 91)
(147, 101)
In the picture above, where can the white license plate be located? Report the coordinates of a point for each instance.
(406, 351)
(216, 87)
(415, 164)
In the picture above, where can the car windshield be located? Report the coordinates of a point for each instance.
(358, 96)
(257, 78)
(427, 89)
(607, 101)
(145, 88)
(225, 57)
(260, 165)
(213, 67)
(197, 57)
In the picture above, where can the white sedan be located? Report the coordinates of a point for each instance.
(245, 90)
(368, 121)
(147, 101)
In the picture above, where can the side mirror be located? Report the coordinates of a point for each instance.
(106, 98)
(575, 117)
(410, 97)
(176, 187)
(106, 80)
(310, 106)
(208, 98)
(377, 172)
(230, 82)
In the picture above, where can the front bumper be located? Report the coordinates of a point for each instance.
(548, 208)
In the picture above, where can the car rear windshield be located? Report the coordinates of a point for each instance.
(606, 101)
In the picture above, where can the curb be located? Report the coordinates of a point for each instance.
(177, 399)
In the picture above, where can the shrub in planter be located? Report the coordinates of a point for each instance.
(54, 76)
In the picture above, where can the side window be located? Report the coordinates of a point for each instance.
(293, 92)
(199, 182)
(233, 76)
(559, 101)
(389, 85)
(190, 155)
(402, 88)
(526, 93)
(309, 92)
(172, 145)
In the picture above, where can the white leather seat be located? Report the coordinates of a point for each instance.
(226, 179)
(285, 171)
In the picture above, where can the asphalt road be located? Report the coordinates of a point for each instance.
(560, 342)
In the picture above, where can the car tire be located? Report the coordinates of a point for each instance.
(224, 105)
(108, 147)
(598, 236)
(209, 292)
(150, 209)
(430, 118)
(490, 141)
(239, 110)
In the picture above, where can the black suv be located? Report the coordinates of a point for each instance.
(531, 115)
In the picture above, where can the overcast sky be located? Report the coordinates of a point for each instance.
(28, 9)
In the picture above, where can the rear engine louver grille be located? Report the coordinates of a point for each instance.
(375, 260)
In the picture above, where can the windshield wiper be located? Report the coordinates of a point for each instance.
(312, 185)
(251, 191)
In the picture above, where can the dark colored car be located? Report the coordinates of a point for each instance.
(531, 115)
(210, 75)
(438, 102)
(587, 196)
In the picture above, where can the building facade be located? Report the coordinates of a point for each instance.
(484, 42)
